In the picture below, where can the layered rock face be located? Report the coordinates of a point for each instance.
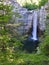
(47, 17)
(27, 18)
(42, 20)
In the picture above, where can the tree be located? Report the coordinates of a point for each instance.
(5, 15)
(8, 43)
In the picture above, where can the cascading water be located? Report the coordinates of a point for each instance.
(34, 32)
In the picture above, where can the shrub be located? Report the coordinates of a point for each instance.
(42, 2)
(23, 59)
(44, 47)
(32, 59)
(30, 6)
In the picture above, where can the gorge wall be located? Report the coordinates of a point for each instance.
(27, 17)
(47, 17)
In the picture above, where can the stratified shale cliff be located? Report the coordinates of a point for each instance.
(27, 17)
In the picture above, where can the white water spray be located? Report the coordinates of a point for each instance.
(34, 32)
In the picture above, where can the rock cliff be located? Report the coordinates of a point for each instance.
(27, 17)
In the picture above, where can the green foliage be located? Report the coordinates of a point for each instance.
(44, 47)
(23, 59)
(9, 44)
(47, 16)
(32, 59)
(5, 12)
(33, 6)
(42, 2)
(7, 40)
(7, 34)
(5, 15)
(30, 6)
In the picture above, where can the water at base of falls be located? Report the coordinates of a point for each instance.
(30, 45)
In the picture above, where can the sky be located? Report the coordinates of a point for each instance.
(23, 1)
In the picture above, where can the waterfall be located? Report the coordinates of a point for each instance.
(32, 41)
(34, 32)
